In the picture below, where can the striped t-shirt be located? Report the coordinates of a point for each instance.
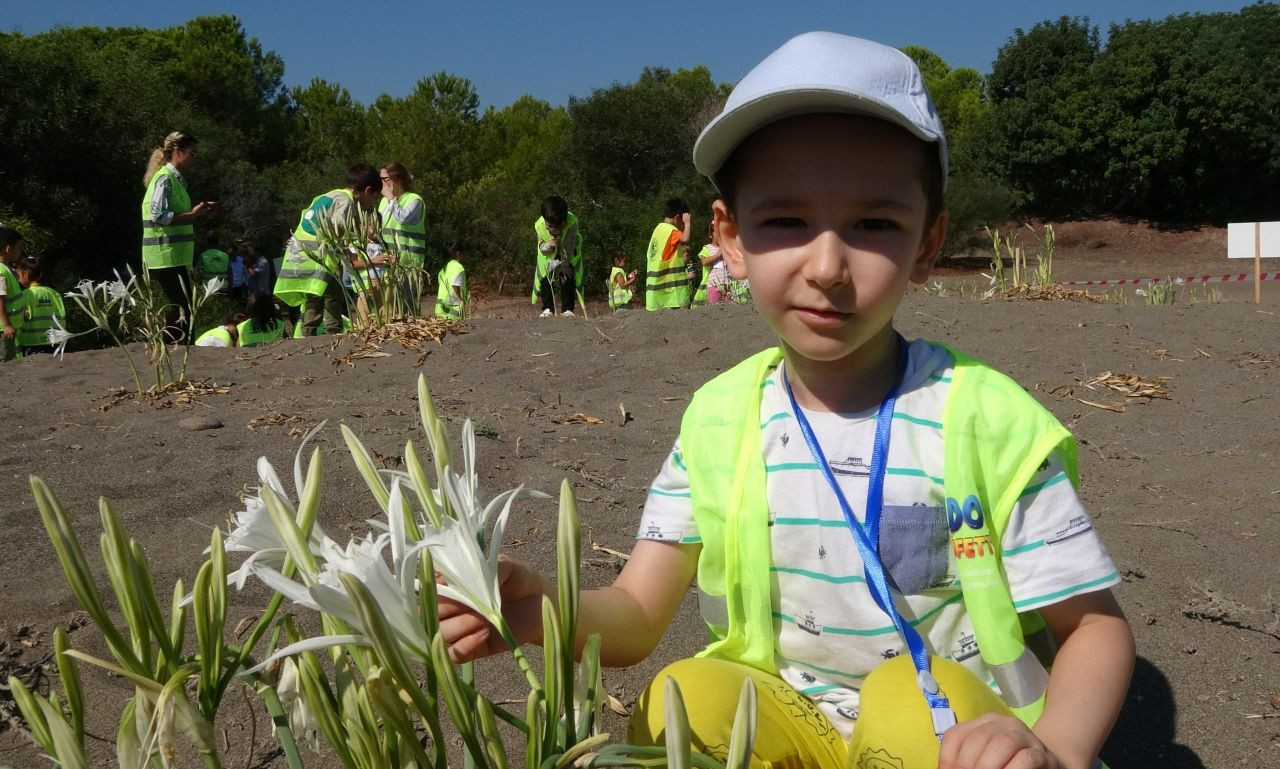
(830, 633)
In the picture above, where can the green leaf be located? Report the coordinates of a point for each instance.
(37, 722)
(679, 746)
(553, 678)
(569, 578)
(71, 683)
(493, 746)
(743, 737)
(364, 463)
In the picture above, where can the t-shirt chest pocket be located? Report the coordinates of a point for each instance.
(914, 547)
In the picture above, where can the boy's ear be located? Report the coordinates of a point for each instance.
(730, 242)
(930, 249)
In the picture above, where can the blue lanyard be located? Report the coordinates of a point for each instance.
(867, 537)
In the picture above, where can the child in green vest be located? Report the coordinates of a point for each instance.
(45, 309)
(620, 283)
(886, 536)
(666, 277)
(452, 293)
(12, 301)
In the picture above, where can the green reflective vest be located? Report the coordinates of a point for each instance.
(15, 299)
(666, 282)
(447, 305)
(44, 310)
(575, 259)
(248, 337)
(700, 296)
(618, 296)
(407, 241)
(214, 262)
(217, 334)
(167, 245)
(994, 438)
(307, 267)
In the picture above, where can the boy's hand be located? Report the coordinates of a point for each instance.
(994, 742)
(9, 331)
(470, 636)
(684, 218)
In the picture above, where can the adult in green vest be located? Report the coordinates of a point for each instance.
(45, 309)
(168, 231)
(12, 299)
(309, 275)
(404, 233)
(666, 279)
(452, 293)
(559, 257)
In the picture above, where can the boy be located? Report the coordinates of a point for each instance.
(831, 164)
(45, 309)
(308, 278)
(620, 283)
(559, 254)
(666, 282)
(452, 294)
(12, 301)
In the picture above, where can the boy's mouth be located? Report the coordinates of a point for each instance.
(823, 316)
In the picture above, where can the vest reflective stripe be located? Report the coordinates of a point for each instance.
(407, 241)
(618, 296)
(44, 305)
(666, 282)
(15, 299)
(994, 438)
(251, 338)
(445, 308)
(167, 245)
(575, 259)
(217, 332)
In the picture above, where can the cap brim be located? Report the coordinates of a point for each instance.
(729, 129)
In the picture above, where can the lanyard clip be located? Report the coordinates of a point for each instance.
(939, 707)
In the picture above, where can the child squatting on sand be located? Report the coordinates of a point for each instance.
(886, 535)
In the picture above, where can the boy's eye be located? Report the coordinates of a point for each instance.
(877, 225)
(784, 222)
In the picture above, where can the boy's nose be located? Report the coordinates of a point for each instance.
(826, 265)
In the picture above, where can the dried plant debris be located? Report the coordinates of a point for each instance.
(409, 333)
(1055, 293)
(274, 420)
(580, 419)
(1212, 605)
(1132, 385)
(1256, 359)
(172, 394)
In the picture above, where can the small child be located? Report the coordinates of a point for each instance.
(666, 281)
(12, 302)
(620, 283)
(239, 275)
(716, 286)
(452, 293)
(45, 309)
(262, 324)
(225, 335)
(886, 535)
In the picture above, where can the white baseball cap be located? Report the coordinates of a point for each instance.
(823, 72)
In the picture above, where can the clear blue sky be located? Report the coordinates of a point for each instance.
(557, 50)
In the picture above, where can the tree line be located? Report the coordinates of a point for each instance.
(1172, 120)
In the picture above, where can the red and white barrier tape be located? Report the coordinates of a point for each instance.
(1242, 277)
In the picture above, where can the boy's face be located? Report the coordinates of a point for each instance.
(829, 227)
(11, 253)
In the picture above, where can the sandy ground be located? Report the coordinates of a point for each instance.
(1182, 487)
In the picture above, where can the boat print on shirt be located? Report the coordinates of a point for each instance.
(968, 648)
(809, 624)
(854, 466)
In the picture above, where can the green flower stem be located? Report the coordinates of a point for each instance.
(521, 660)
(284, 734)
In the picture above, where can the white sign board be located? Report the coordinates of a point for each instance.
(1240, 240)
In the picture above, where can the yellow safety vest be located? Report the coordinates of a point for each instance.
(407, 241)
(575, 259)
(217, 332)
(445, 306)
(700, 296)
(167, 245)
(618, 296)
(250, 338)
(666, 282)
(15, 299)
(44, 308)
(307, 271)
(994, 438)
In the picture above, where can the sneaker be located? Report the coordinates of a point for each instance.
(545, 314)
(567, 314)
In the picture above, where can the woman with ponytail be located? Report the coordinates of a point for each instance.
(168, 236)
